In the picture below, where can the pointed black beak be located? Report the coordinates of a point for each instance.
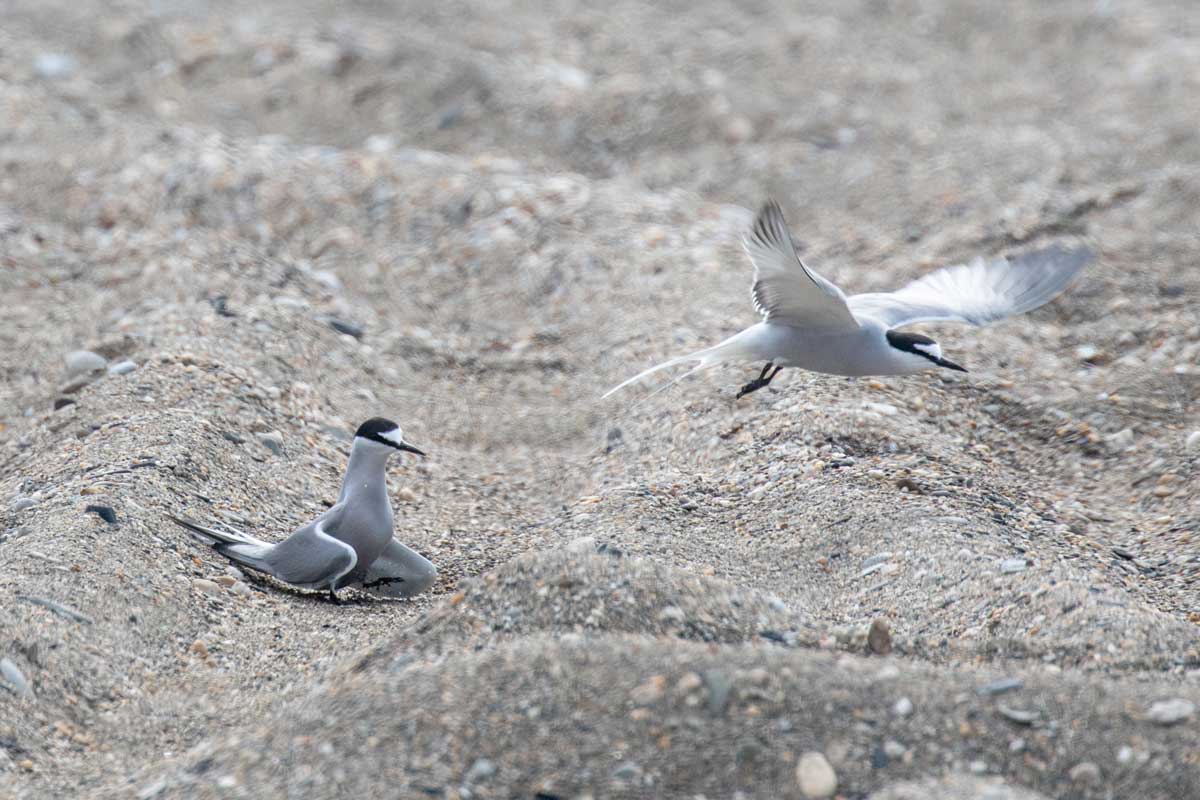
(409, 448)
(942, 362)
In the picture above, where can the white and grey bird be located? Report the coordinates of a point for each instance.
(351, 544)
(810, 324)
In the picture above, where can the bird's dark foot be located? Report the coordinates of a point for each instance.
(762, 380)
(382, 582)
(333, 598)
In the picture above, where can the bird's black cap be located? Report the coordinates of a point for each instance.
(384, 431)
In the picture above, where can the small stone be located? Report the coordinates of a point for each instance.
(345, 327)
(879, 638)
(122, 368)
(1018, 715)
(273, 441)
(903, 707)
(1010, 566)
(649, 692)
(1001, 686)
(672, 614)
(225, 580)
(105, 513)
(627, 771)
(886, 409)
(688, 683)
(894, 749)
(1122, 440)
(22, 503)
(25, 764)
(241, 589)
(718, 691)
(234, 572)
(815, 775)
(1170, 712)
(1192, 444)
(878, 558)
(1085, 772)
(480, 771)
(406, 494)
(53, 66)
(205, 586)
(84, 362)
(977, 767)
(73, 386)
(738, 129)
(14, 679)
(199, 648)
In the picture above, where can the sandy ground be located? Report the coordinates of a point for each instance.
(288, 217)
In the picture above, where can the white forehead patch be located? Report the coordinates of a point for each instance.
(931, 349)
(395, 435)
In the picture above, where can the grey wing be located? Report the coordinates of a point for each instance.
(979, 292)
(310, 558)
(399, 571)
(784, 290)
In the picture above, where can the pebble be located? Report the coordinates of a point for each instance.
(1012, 565)
(22, 503)
(815, 775)
(1121, 440)
(1001, 686)
(649, 692)
(242, 589)
(1017, 715)
(627, 771)
(84, 362)
(406, 494)
(73, 386)
(1192, 444)
(894, 749)
(903, 707)
(199, 648)
(206, 586)
(225, 580)
(235, 572)
(718, 690)
(1170, 712)
(53, 66)
(12, 675)
(345, 327)
(688, 683)
(1085, 772)
(886, 409)
(273, 441)
(105, 513)
(879, 638)
(122, 368)
(480, 771)
(878, 558)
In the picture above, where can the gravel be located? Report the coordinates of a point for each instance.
(517, 209)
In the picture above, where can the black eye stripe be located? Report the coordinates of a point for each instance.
(908, 343)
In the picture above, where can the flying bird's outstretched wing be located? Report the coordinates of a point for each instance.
(785, 291)
(979, 292)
